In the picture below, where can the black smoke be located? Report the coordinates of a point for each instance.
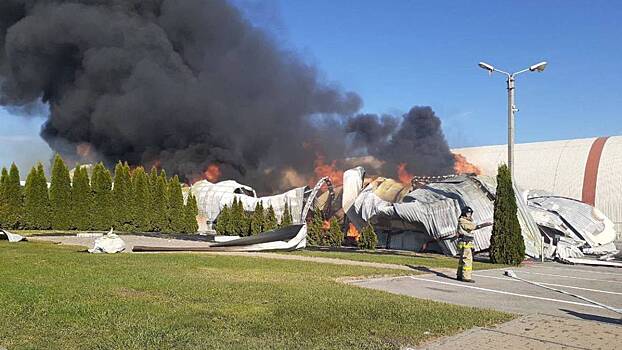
(417, 141)
(186, 84)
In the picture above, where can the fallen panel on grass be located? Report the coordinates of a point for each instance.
(11, 237)
(286, 238)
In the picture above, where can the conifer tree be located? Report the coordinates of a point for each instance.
(222, 222)
(121, 192)
(270, 222)
(152, 204)
(175, 206)
(101, 186)
(257, 219)
(141, 200)
(81, 200)
(159, 216)
(286, 219)
(239, 219)
(13, 199)
(368, 238)
(60, 195)
(190, 214)
(315, 230)
(335, 235)
(36, 200)
(4, 178)
(506, 242)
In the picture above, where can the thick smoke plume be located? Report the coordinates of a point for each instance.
(189, 84)
(417, 141)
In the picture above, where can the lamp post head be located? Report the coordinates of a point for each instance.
(538, 67)
(486, 66)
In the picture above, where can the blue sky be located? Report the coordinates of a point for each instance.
(398, 53)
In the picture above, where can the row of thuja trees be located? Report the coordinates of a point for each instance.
(137, 202)
(233, 220)
(330, 233)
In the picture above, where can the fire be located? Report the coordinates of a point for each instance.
(212, 173)
(85, 150)
(462, 165)
(322, 169)
(326, 225)
(352, 232)
(403, 174)
(156, 164)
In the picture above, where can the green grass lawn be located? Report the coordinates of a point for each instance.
(54, 297)
(405, 258)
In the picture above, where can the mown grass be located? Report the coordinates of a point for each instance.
(410, 259)
(54, 297)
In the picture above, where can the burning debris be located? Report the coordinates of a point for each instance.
(421, 215)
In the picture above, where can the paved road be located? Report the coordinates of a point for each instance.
(495, 291)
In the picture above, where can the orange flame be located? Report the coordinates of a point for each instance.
(324, 169)
(212, 173)
(353, 232)
(326, 225)
(85, 150)
(462, 165)
(403, 174)
(156, 164)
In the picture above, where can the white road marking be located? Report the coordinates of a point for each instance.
(551, 284)
(578, 270)
(506, 293)
(563, 276)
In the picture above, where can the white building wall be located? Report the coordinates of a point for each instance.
(559, 167)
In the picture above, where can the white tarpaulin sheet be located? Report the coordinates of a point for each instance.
(110, 244)
(12, 237)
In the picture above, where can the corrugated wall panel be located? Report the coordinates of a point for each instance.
(559, 167)
(554, 166)
(609, 183)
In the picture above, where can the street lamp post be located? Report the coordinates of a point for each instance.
(511, 84)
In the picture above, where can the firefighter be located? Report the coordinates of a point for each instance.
(465, 244)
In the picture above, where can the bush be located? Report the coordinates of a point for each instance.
(315, 229)
(257, 219)
(11, 199)
(368, 238)
(190, 214)
(286, 219)
(506, 243)
(101, 186)
(81, 200)
(270, 222)
(222, 222)
(334, 237)
(36, 200)
(60, 195)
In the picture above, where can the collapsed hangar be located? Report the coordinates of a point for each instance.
(589, 170)
(422, 216)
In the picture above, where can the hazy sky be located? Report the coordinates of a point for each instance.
(397, 54)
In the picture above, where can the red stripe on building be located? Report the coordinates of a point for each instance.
(591, 171)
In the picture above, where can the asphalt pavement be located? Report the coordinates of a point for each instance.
(493, 290)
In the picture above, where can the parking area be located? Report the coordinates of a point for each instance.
(493, 290)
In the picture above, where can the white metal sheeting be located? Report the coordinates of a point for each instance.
(609, 184)
(212, 197)
(437, 207)
(572, 217)
(559, 167)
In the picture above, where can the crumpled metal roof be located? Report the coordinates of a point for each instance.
(437, 205)
(212, 197)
